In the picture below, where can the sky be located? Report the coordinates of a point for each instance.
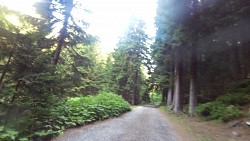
(108, 18)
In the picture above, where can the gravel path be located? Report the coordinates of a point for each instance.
(141, 124)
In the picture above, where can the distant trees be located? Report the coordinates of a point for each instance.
(130, 58)
(203, 41)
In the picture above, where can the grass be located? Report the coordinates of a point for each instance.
(181, 121)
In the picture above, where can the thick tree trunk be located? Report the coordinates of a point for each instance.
(135, 88)
(171, 82)
(63, 32)
(178, 83)
(193, 82)
(170, 96)
(193, 90)
(171, 107)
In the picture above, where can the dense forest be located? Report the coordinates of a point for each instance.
(202, 52)
(52, 76)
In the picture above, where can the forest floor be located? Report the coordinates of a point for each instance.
(141, 124)
(196, 129)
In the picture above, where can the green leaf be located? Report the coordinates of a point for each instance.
(24, 139)
(1, 128)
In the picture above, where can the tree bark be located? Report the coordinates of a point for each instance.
(63, 32)
(193, 82)
(178, 82)
(171, 107)
(164, 95)
(171, 82)
(193, 90)
(170, 96)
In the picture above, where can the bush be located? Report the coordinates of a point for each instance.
(218, 110)
(71, 112)
(235, 99)
(242, 87)
(82, 110)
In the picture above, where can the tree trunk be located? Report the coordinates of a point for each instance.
(5, 69)
(170, 96)
(193, 90)
(136, 88)
(243, 60)
(171, 82)
(193, 82)
(164, 95)
(63, 32)
(171, 107)
(178, 82)
(235, 60)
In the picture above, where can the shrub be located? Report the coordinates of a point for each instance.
(234, 99)
(218, 110)
(82, 110)
(68, 113)
(242, 87)
(8, 134)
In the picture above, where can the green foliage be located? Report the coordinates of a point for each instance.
(235, 99)
(218, 110)
(8, 134)
(225, 106)
(71, 112)
(82, 110)
(155, 98)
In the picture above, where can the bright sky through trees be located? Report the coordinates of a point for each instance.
(108, 19)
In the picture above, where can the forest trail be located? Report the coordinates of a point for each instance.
(141, 124)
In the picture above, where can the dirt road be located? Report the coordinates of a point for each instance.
(141, 124)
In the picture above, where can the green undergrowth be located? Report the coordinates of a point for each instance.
(227, 107)
(218, 110)
(71, 112)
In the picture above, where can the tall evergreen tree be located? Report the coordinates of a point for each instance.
(129, 57)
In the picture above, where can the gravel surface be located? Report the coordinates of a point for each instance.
(141, 124)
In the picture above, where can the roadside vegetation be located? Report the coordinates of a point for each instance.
(216, 120)
(228, 107)
(68, 113)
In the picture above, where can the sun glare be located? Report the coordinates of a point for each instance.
(23, 6)
(108, 18)
(13, 19)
